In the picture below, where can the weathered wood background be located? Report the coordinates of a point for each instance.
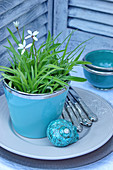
(89, 17)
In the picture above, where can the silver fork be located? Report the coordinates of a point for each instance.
(89, 113)
(84, 119)
(69, 115)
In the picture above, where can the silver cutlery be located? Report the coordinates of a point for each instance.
(89, 113)
(84, 119)
(69, 115)
(77, 112)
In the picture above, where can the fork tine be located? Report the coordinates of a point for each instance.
(68, 112)
(75, 112)
(92, 116)
(85, 120)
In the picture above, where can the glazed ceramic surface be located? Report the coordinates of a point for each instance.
(101, 80)
(100, 59)
(96, 136)
(31, 114)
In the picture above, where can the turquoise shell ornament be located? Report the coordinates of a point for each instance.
(62, 133)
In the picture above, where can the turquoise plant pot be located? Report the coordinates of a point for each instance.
(101, 80)
(31, 113)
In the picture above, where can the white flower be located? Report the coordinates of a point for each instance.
(24, 47)
(16, 24)
(33, 35)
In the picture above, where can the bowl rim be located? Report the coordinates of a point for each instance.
(97, 67)
(97, 72)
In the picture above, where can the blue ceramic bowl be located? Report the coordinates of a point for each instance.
(102, 60)
(99, 79)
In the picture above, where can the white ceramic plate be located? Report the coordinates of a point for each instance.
(97, 135)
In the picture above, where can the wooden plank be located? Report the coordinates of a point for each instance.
(5, 5)
(42, 28)
(60, 17)
(50, 15)
(98, 42)
(109, 0)
(90, 15)
(24, 19)
(96, 5)
(41, 40)
(91, 27)
(19, 10)
(1, 88)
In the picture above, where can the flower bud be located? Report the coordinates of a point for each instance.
(16, 24)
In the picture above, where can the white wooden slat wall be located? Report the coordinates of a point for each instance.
(93, 16)
(9, 4)
(97, 5)
(34, 15)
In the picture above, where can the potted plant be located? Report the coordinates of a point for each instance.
(36, 83)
